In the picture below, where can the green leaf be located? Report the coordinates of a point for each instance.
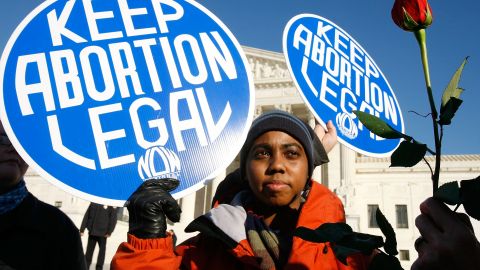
(356, 243)
(327, 232)
(408, 154)
(383, 261)
(448, 111)
(343, 239)
(448, 193)
(452, 89)
(379, 127)
(362, 241)
(387, 230)
(470, 196)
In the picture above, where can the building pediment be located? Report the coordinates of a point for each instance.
(268, 68)
(273, 84)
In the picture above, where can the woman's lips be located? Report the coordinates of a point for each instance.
(275, 185)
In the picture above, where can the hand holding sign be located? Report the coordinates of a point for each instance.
(328, 136)
(149, 206)
(336, 76)
(122, 91)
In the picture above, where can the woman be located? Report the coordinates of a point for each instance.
(34, 234)
(273, 195)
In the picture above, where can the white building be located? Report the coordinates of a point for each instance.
(362, 183)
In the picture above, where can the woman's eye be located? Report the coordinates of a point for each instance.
(292, 153)
(262, 154)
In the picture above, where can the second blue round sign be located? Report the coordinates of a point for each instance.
(336, 76)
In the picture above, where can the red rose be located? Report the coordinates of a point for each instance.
(412, 15)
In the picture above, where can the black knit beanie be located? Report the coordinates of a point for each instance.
(282, 121)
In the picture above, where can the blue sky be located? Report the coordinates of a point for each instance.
(454, 34)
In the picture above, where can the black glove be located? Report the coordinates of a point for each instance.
(149, 204)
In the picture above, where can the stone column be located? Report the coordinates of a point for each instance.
(317, 173)
(258, 111)
(347, 165)
(347, 171)
(311, 120)
(188, 209)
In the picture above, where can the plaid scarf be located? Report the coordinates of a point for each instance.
(264, 241)
(267, 244)
(13, 198)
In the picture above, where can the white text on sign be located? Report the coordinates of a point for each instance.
(68, 78)
(346, 66)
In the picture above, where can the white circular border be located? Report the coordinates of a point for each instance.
(285, 53)
(97, 199)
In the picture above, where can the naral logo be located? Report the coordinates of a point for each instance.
(346, 125)
(159, 162)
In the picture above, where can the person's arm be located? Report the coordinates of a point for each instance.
(112, 220)
(447, 241)
(85, 219)
(152, 253)
(148, 245)
(327, 136)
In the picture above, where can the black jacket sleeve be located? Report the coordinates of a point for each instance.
(85, 219)
(112, 219)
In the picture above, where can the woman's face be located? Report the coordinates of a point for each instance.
(277, 169)
(12, 166)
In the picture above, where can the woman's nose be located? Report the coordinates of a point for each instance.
(277, 164)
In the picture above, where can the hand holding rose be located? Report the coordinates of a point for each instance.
(447, 242)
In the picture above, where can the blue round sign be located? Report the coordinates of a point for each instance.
(98, 96)
(336, 76)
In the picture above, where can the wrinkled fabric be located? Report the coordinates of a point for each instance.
(264, 242)
(213, 248)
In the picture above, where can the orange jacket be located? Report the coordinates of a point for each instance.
(207, 251)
